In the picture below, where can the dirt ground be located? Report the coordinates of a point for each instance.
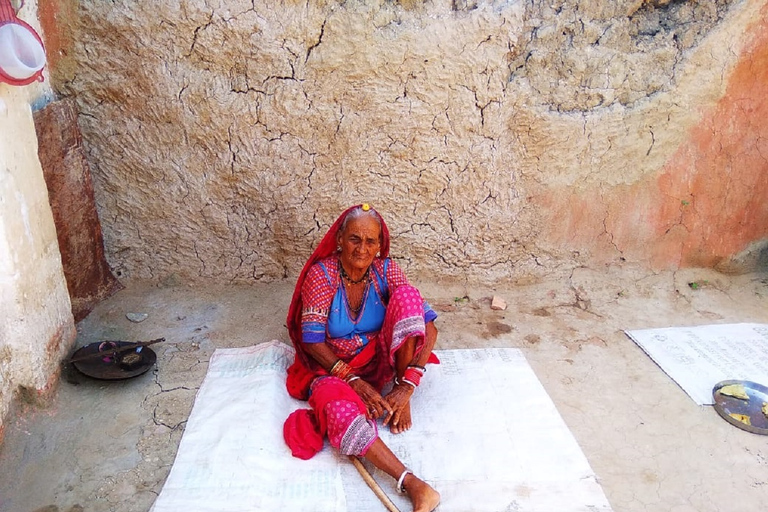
(108, 446)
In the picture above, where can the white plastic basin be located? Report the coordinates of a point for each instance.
(21, 53)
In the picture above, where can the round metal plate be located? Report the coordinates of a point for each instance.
(106, 368)
(736, 410)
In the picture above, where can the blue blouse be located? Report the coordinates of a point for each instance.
(341, 323)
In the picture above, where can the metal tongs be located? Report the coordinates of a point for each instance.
(117, 350)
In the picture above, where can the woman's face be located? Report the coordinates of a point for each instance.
(359, 242)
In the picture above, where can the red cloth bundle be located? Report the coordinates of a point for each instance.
(304, 431)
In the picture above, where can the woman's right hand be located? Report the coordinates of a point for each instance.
(374, 402)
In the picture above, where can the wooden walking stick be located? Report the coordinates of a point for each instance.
(375, 487)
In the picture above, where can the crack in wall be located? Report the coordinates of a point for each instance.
(197, 32)
(317, 42)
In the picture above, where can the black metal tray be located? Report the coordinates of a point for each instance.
(109, 367)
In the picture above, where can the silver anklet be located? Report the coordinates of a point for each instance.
(401, 480)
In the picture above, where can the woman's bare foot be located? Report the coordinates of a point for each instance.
(399, 400)
(403, 421)
(423, 497)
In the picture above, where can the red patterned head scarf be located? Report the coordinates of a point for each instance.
(327, 247)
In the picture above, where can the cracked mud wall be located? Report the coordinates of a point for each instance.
(502, 140)
(36, 325)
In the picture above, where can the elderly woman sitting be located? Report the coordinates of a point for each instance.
(358, 326)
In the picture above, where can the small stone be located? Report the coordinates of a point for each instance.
(498, 303)
(136, 317)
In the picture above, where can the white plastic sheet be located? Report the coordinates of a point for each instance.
(486, 436)
(697, 358)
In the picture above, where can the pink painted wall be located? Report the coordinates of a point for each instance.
(707, 203)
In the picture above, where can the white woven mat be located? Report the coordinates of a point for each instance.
(699, 357)
(486, 436)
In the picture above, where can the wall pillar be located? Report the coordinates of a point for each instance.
(36, 324)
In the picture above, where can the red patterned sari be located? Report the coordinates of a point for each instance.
(336, 409)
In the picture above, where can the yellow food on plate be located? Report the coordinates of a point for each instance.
(765, 409)
(741, 417)
(735, 390)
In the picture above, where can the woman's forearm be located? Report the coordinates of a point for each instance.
(321, 353)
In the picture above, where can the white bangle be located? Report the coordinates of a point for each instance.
(401, 480)
(412, 384)
(352, 378)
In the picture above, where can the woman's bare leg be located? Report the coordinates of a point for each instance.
(400, 396)
(423, 497)
(403, 357)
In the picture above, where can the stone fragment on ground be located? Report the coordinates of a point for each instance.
(136, 317)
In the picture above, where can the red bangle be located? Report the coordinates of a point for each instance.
(341, 370)
(412, 376)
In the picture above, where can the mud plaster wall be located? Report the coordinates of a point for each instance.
(502, 140)
(36, 325)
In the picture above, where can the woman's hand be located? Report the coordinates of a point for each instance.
(373, 400)
(399, 401)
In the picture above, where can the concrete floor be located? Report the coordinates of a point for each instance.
(108, 446)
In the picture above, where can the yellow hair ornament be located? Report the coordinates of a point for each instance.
(366, 207)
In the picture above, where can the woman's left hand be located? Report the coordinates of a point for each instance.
(374, 402)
